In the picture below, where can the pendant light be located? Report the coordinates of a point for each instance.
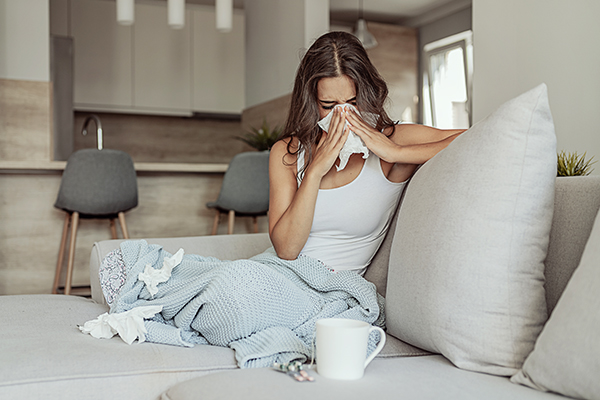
(176, 11)
(224, 11)
(361, 32)
(125, 12)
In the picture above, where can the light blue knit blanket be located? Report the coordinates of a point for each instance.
(264, 308)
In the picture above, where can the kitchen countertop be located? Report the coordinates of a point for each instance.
(46, 166)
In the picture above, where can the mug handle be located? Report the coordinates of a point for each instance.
(379, 346)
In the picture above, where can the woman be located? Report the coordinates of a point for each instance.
(325, 225)
(337, 70)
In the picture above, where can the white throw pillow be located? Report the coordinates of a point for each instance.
(566, 358)
(466, 274)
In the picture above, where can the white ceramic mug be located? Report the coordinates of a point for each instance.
(342, 347)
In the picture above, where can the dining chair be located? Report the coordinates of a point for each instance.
(245, 190)
(95, 184)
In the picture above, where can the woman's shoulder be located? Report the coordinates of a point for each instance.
(284, 151)
(286, 145)
(404, 133)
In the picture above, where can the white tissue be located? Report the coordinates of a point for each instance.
(129, 324)
(354, 144)
(152, 276)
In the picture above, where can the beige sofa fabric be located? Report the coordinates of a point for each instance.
(577, 200)
(419, 378)
(45, 356)
(566, 358)
(466, 269)
(378, 269)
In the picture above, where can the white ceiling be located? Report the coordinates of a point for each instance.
(404, 12)
(389, 11)
(403, 8)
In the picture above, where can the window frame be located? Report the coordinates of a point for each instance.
(462, 40)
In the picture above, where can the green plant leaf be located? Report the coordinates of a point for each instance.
(572, 164)
(262, 138)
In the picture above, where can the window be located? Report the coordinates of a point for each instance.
(447, 82)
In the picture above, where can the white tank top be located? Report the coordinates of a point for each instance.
(350, 221)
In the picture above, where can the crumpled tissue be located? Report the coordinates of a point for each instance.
(129, 324)
(152, 276)
(354, 144)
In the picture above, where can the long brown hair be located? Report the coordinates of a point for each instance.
(332, 55)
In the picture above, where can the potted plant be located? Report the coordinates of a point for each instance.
(262, 138)
(572, 164)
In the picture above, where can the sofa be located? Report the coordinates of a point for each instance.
(486, 263)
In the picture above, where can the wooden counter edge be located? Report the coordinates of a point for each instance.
(7, 166)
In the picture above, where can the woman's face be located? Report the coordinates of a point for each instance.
(333, 91)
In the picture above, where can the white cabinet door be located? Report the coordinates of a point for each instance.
(162, 60)
(102, 56)
(151, 68)
(218, 64)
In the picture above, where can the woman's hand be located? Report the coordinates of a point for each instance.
(426, 141)
(330, 145)
(375, 141)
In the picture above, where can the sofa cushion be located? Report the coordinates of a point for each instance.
(378, 269)
(576, 203)
(565, 358)
(422, 378)
(397, 348)
(44, 355)
(466, 270)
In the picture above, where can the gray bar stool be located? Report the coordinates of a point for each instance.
(245, 189)
(95, 184)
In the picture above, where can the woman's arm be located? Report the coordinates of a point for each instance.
(289, 234)
(418, 134)
(416, 153)
(414, 144)
(292, 208)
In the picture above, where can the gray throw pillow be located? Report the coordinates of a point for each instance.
(566, 355)
(466, 273)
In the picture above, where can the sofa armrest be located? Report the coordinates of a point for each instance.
(225, 247)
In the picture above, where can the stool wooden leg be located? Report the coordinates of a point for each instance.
(255, 223)
(113, 229)
(216, 222)
(230, 222)
(74, 225)
(61, 253)
(123, 225)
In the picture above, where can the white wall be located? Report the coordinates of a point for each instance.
(316, 20)
(24, 40)
(277, 33)
(519, 44)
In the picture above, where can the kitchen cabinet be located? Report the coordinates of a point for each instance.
(218, 64)
(152, 69)
(102, 56)
(162, 60)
